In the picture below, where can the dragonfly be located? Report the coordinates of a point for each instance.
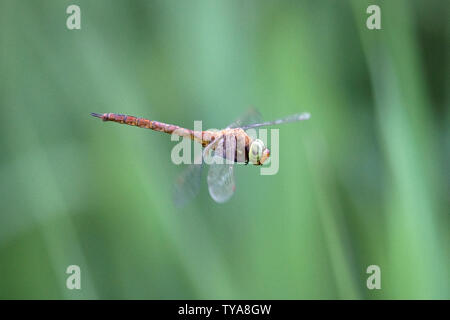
(222, 148)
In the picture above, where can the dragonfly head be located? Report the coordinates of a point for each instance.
(265, 155)
(258, 152)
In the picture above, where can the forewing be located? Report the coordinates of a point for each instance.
(291, 118)
(251, 116)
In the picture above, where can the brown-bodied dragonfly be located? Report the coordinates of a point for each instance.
(231, 145)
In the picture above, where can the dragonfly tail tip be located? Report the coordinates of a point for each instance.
(98, 115)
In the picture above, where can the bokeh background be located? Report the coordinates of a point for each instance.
(365, 181)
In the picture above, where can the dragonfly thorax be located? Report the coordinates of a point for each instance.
(237, 146)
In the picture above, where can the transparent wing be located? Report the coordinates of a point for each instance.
(251, 116)
(187, 185)
(291, 118)
(221, 183)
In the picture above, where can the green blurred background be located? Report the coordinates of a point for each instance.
(365, 181)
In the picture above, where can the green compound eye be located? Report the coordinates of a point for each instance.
(256, 150)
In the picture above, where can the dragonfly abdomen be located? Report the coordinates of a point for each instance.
(153, 125)
(140, 122)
